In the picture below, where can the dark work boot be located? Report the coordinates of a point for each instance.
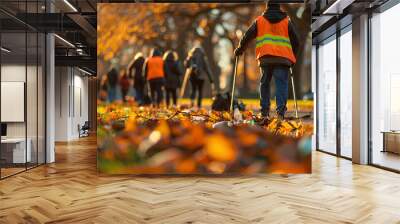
(265, 118)
(264, 113)
(264, 121)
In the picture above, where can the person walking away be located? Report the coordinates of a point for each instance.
(125, 84)
(198, 63)
(154, 72)
(172, 77)
(112, 81)
(103, 87)
(277, 44)
(135, 71)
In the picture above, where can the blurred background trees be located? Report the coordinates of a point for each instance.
(125, 29)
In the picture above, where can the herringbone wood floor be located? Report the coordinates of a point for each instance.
(70, 191)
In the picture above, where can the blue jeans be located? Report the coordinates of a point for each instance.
(112, 93)
(281, 77)
(139, 94)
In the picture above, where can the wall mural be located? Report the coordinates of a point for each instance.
(167, 74)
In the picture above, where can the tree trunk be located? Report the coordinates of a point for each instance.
(208, 47)
(209, 51)
(181, 41)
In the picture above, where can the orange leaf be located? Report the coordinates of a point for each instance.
(186, 166)
(219, 148)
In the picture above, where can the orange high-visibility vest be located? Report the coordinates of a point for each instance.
(155, 68)
(273, 39)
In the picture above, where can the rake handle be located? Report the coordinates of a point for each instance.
(294, 94)
(234, 83)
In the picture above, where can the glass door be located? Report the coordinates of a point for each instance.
(326, 96)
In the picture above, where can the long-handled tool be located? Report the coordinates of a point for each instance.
(294, 94)
(185, 81)
(234, 83)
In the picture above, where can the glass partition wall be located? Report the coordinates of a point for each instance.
(385, 90)
(326, 97)
(334, 94)
(13, 84)
(345, 108)
(22, 91)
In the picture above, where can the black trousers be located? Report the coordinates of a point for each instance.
(156, 91)
(197, 88)
(170, 94)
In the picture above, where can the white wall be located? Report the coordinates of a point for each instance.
(61, 103)
(71, 94)
(80, 102)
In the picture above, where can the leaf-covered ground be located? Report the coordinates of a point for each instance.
(146, 140)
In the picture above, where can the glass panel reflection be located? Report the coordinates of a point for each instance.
(346, 94)
(327, 96)
(15, 151)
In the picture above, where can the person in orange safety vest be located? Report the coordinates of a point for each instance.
(154, 73)
(276, 46)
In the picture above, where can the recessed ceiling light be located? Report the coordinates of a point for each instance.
(333, 6)
(5, 50)
(70, 5)
(64, 40)
(84, 71)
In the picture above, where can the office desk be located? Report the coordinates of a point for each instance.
(13, 150)
(391, 141)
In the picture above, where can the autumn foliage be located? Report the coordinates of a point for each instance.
(141, 24)
(145, 140)
(148, 140)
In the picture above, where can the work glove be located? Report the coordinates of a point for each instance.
(291, 70)
(238, 51)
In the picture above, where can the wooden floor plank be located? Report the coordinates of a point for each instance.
(71, 191)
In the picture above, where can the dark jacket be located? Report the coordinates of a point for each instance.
(172, 73)
(112, 78)
(273, 16)
(198, 61)
(136, 72)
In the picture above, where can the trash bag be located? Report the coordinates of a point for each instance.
(222, 102)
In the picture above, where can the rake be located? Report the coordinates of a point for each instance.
(234, 83)
(294, 94)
